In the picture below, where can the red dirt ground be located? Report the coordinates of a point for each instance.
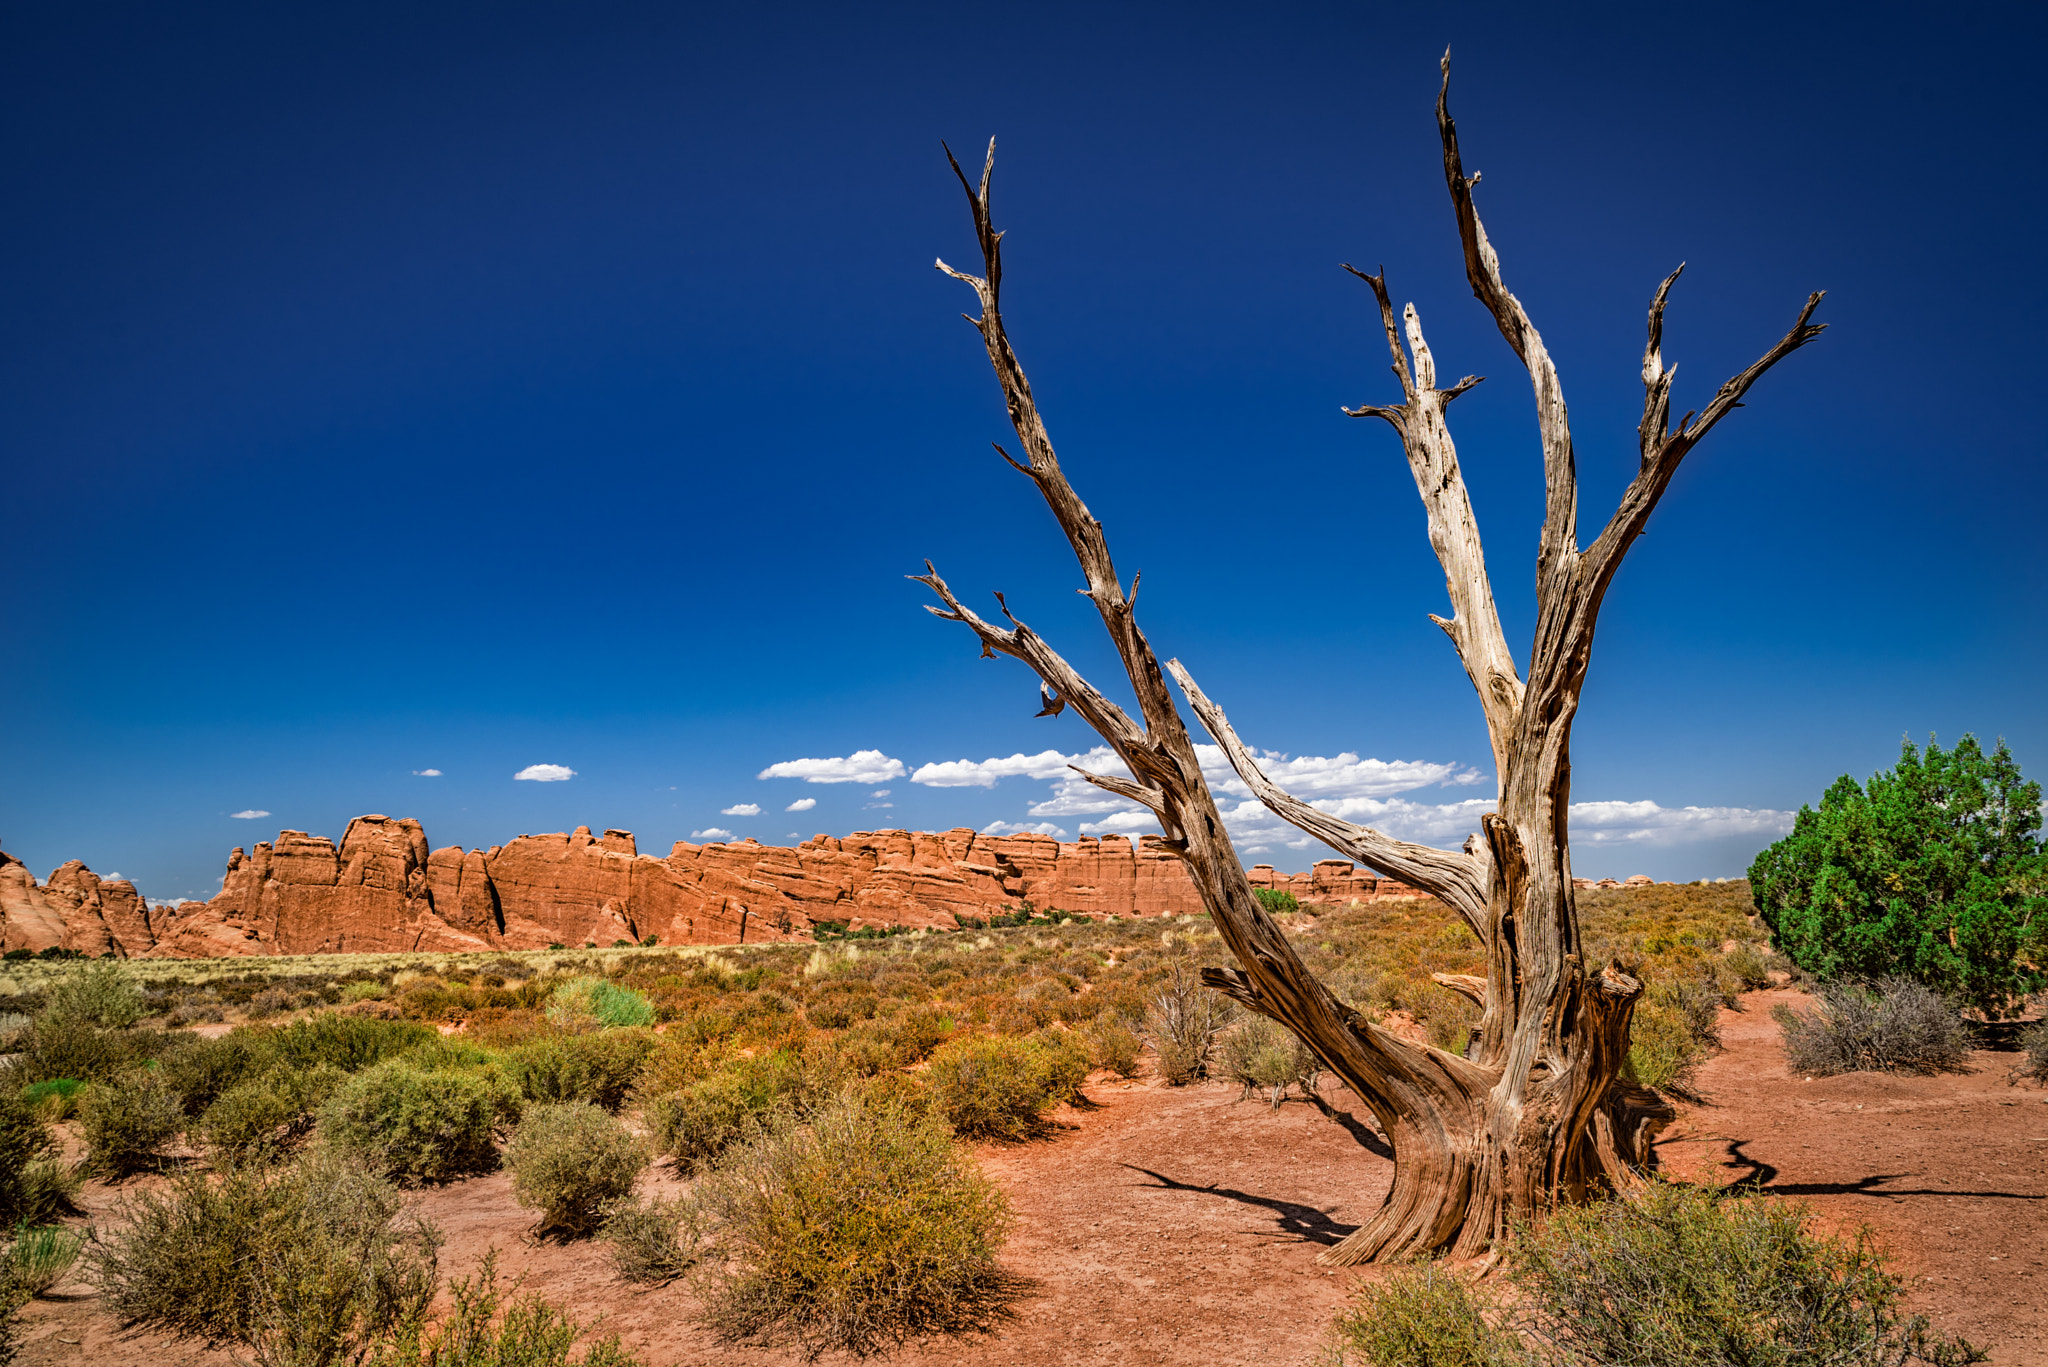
(1170, 1226)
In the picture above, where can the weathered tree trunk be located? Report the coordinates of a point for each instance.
(1537, 1112)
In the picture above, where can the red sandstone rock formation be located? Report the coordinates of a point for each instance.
(383, 890)
(76, 909)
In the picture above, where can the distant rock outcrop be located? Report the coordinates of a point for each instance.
(383, 889)
(76, 909)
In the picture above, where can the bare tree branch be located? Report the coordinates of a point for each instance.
(1474, 626)
(1482, 269)
(1450, 876)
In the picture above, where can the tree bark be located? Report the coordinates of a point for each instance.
(1538, 1111)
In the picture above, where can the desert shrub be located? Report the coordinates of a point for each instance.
(2034, 1052)
(40, 1257)
(35, 1182)
(1183, 1017)
(591, 1003)
(857, 1231)
(68, 1046)
(200, 1070)
(258, 1118)
(53, 1098)
(694, 1125)
(1113, 1046)
(597, 1068)
(350, 1043)
(1425, 1317)
(127, 1123)
(571, 1161)
(653, 1242)
(487, 1327)
(1677, 1276)
(1264, 1056)
(270, 1001)
(1276, 901)
(413, 1125)
(1002, 1086)
(351, 993)
(1890, 1026)
(307, 1263)
(100, 992)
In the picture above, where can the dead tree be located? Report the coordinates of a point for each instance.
(1537, 1112)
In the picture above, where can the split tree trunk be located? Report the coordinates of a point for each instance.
(1537, 1112)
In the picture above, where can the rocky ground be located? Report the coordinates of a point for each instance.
(1170, 1226)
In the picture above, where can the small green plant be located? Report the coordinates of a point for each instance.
(489, 1327)
(571, 1161)
(53, 1098)
(1894, 1025)
(1276, 901)
(351, 993)
(1427, 1316)
(858, 1231)
(101, 992)
(589, 1003)
(41, 1257)
(653, 1242)
(128, 1122)
(414, 1125)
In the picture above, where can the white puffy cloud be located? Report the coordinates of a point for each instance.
(802, 804)
(428, 773)
(1023, 828)
(711, 833)
(1123, 823)
(862, 766)
(741, 809)
(879, 792)
(249, 815)
(967, 773)
(546, 773)
(1646, 823)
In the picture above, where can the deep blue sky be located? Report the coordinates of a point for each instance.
(469, 387)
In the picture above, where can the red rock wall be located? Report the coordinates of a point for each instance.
(382, 889)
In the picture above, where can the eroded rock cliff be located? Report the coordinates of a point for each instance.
(383, 889)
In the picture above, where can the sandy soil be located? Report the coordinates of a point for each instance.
(1951, 1171)
(1170, 1226)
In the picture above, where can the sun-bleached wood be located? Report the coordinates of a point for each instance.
(1537, 1110)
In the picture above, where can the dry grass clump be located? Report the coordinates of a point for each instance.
(36, 1184)
(653, 1242)
(1893, 1025)
(856, 1231)
(40, 1257)
(490, 1327)
(1263, 1056)
(127, 1123)
(570, 1162)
